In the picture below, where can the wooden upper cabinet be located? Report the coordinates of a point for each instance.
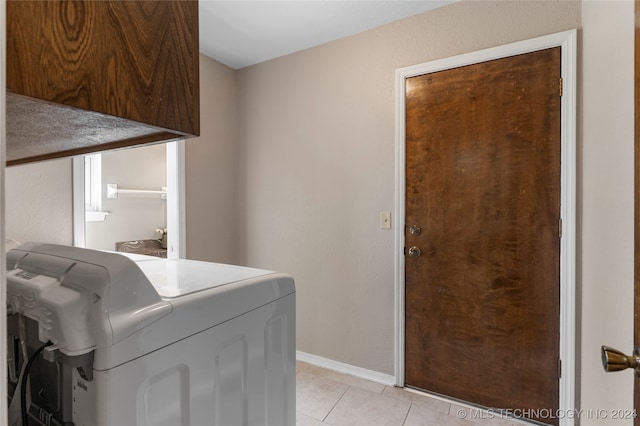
(86, 76)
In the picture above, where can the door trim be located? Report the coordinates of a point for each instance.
(567, 40)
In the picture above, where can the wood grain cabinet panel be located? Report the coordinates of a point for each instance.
(85, 76)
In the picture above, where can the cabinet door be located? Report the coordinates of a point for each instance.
(135, 61)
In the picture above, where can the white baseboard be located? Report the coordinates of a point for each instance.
(352, 370)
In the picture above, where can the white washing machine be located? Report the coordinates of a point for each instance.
(137, 340)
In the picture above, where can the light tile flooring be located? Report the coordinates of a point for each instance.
(325, 397)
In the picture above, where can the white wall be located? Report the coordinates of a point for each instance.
(316, 135)
(131, 217)
(607, 201)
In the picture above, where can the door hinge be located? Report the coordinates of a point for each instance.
(559, 368)
(560, 228)
(560, 86)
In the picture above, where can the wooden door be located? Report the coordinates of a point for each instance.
(483, 186)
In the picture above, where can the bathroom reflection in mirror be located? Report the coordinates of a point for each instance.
(130, 200)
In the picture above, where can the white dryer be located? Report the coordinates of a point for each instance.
(137, 340)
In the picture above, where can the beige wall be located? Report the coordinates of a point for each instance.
(607, 201)
(210, 163)
(39, 201)
(316, 134)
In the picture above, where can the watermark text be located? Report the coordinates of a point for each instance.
(546, 413)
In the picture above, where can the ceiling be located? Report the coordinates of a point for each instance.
(242, 33)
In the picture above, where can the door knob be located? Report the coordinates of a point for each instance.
(414, 251)
(614, 360)
(415, 230)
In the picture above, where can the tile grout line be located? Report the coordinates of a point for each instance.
(334, 405)
(448, 412)
(406, 416)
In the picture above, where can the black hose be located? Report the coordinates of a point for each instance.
(23, 384)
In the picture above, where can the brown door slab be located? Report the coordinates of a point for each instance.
(483, 184)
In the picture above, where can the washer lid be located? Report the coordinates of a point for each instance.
(178, 277)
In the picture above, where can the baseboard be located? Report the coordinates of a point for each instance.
(352, 370)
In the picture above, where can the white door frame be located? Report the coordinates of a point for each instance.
(568, 42)
(176, 224)
(176, 204)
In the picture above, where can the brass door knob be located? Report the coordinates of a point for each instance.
(414, 251)
(615, 360)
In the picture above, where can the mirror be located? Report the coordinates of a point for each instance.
(131, 200)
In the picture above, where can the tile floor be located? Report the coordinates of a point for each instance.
(325, 397)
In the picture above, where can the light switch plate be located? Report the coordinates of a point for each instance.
(385, 220)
